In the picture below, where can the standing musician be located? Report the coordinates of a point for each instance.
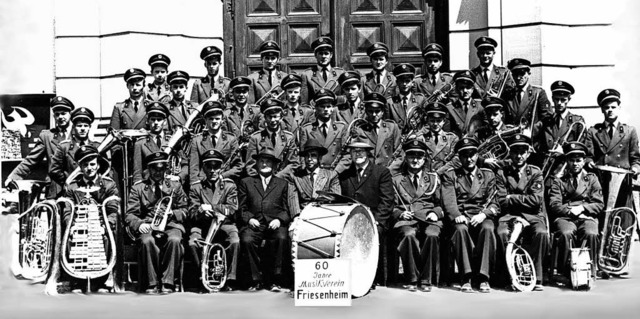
(213, 197)
(46, 145)
(317, 76)
(352, 108)
(383, 135)
(575, 205)
(273, 135)
(294, 113)
(522, 197)
(331, 134)
(470, 205)
(493, 124)
(488, 76)
(262, 81)
(432, 79)
(379, 76)
(214, 138)
(214, 81)
(465, 110)
(264, 215)
(417, 216)
(160, 252)
(159, 90)
(525, 97)
(404, 105)
(179, 108)
(239, 114)
(91, 165)
(440, 144)
(131, 113)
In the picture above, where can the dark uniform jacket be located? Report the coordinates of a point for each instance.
(263, 205)
(546, 133)
(202, 88)
(400, 112)
(237, 118)
(142, 200)
(325, 180)
(125, 117)
(347, 113)
(176, 117)
(285, 148)
(522, 113)
(461, 197)
(260, 84)
(375, 190)
(385, 143)
(334, 142)
(106, 188)
(423, 84)
(148, 145)
(459, 122)
(369, 83)
(526, 193)
(312, 82)
(63, 162)
(562, 195)
(439, 154)
(422, 201)
(222, 195)
(620, 151)
(496, 78)
(227, 144)
(159, 93)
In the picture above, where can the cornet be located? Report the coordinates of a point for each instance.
(162, 211)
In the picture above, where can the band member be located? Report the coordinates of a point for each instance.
(294, 113)
(329, 133)
(465, 110)
(159, 89)
(63, 161)
(317, 76)
(214, 138)
(352, 108)
(160, 252)
(379, 80)
(383, 135)
(313, 178)
(482, 130)
(213, 82)
(470, 205)
(403, 105)
(417, 214)
(575, 204)
(273, 135)
(433, 79)
(179, 108)
(488, 76)
(92, 165)
(440, 144)
(521, 197)
(615, 144)
(214, 197)
(262, 81)
(525, 97)
(240, 114)
(46, 145)
(371, 185)
(131, 113)
(264, 215)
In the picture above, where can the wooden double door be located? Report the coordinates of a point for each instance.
(406, 26)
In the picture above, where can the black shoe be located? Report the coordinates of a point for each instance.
(256, 286)
(411, 287)
(425, 287)
(484, 287)
(151, 291)
(275, 288)
(466, 287)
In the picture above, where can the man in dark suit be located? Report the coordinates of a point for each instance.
(180, 108)
(317, 76)
(488, 76)
(371, 185)
(159, 89)
(464, 110)
(47, 145)
(264, 215)
(269, 76)
(213, 82)
(524, 97)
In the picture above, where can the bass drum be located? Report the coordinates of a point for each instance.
(339, 231)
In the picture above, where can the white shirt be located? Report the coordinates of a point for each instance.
(364, 167)
(265, 181)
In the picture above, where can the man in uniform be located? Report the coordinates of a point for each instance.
(485, 129)
(46, 145)
(440, 144)
(489, 78)
(262, 81)
(294, 113)
(240, 115)
(525, 97)
(406, 106)
(160, 251)
(159, 90)
(214, 197)
(470, 205)
(522, 198)
(379, 80)
(418, 213)
(180, 108)
(131, 113)
(433, 79)
(264, 215)
(317, 76)
(575, 205)
(352, 108)
(213, 82)
(383, 135)
(465, 110)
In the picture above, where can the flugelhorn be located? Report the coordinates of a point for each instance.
(214, 258)
(519, 262)
(161, 212)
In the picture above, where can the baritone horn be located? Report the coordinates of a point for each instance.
(519, 263)
(214, 258)
(496, 146)
(162, 211)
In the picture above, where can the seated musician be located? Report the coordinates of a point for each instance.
(160, 251)
(575, 204)
(214, 197)
(352, 108)
(522, 197)
(417, 218)
(91, 165)
(264, 215)
(470, 205)
(405, 103)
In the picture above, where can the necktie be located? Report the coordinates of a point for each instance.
(378, 77)
(158, 191)
(159, 90)
(63, 135)
(270, 78)
(465, 107)
(415, 181)
(324, 129)
(574, 182)
(436, 138)
(359, 174)
(158, 141)
(311, 178)
(558, 121)
(610, 132)
(273, 139)
(404, 102)
(214, 140)
(184, 111)
(485, 74)
(433, 80)
(519, 96)
(265, 184)
(324, 74)
(135, 106)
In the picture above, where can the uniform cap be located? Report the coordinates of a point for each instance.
(349, 77)
(562, 88)
(377, 47)
(210, 51)
(322, 42)
(159, 59)
(134, 74)
(61, 103)
(213, 155)
(177, 77)
(374, 99)
(518, 63)
(158, 108)
(574, 148)
(432, 49)
(414, 145)
(404, 69)
(608, 94)
(212, 108)
(467, 143)
(82, 113)
(269, 46)
(485, 42)
(240, 81)
(291, 80)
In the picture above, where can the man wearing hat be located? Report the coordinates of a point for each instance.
(159, 89)
(432, 79)
(329, 133)
(46, 145)
(215, 137)
(160, 252)
(214, 197)
(92, 165)
(131, 113)
(465, 110)
(383, 135)
(273, 135)
(522, 198)
(525, 97)
(489, 127)
(240, 114)
(471, 204)
(294, 114)
(264, 214)
(63, 161)
(352, 108)
(417, 218)
(575, 205)
(371, 185)
(440, 144)
(379, 80)
(212, 83)
(318, 76)
(180, 108)
(262, 81)
(489, 78)
(403, 105)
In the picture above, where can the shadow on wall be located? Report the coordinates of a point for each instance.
(475, 14)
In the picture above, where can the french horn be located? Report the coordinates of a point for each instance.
(519, 263)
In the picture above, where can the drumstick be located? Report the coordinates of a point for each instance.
(406, 207)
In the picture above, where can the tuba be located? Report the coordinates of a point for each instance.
(88, 245)
(496, 146)
(519, 263)
(619, 226)
(214, 258)
(161, 213)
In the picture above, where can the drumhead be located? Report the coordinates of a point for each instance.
(359, 243)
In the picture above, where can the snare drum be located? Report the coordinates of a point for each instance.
(339, 231)
(580, 268)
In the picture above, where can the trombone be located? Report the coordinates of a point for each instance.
(556, 150)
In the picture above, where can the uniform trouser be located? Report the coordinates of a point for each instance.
(539, 248)
(567, 231)
(381, 270)
(160, 256)
(227, 234)
(420, 262)
(265, 263)
(474, 256)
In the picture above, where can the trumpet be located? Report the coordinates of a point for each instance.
(275, 92)
(519, 262)
(492, 88)
(556, 150)
(162, 211)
